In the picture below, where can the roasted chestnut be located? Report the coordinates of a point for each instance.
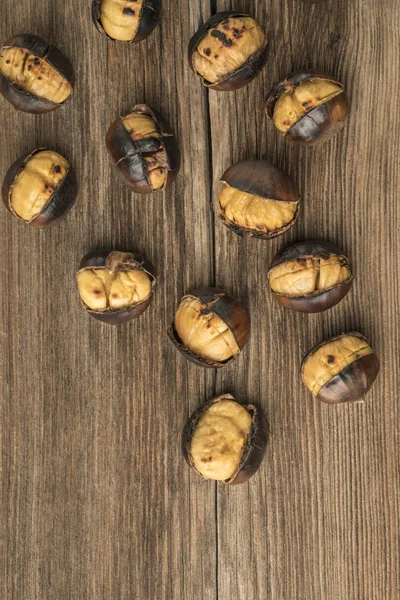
(341, 369)
(115, 287)
(310, 276)
(258, 200)
(144, 149)
(228, 51)
(308, 107)
(40, 187)
(35, 76)
(126, 20)
(224, 440)
(210, 328)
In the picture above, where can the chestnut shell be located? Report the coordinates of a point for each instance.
(253, 451)
(316, 301)
(353, 382)
(322, 122)
(241, 76)
(60, 202)
(22, 100)
(230, 310)
(149, 18)
(97, 258)
(263, 179)
(127, 153)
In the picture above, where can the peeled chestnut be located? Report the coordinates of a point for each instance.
(308, 107)
(224, 440)
(144, 149)
(35, 76)
(341, 369)
(115, 287)
(228, 51)
(310, 276)
(126, 20)
(258, 200)
(210, 328)
(40, 187)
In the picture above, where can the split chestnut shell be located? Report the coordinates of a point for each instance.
(144, 149)
(253, 449)
(258, 200)
(210, 328)
(341, 369)
(310, 276)
(35, 76)
(308, 107)
(131, 21)
(40, 188)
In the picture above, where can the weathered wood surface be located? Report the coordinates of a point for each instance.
(96, 500)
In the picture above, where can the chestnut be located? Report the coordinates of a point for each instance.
(40, 187)
(341, 369)
(35, 76)
(126, 20)
(258, 200)
(144, 149)
(210, 328)
(228, 51)
(310, 276)
(224, 440)
(115, 287)
(308, 107)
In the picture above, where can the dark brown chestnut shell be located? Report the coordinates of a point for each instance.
(316, 301)
(322, 122)
(263, 179)
(60, 202)
(241, 76)
(127, 153)
(149, 18)
(254, 449)
(19, 98)
(353, 382)
(97, 258)
(230, 310)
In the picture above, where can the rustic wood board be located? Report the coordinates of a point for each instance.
(96, 501)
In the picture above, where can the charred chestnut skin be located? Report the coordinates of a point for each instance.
(261, 178)
(149, 19)
(61, 201)
(320, 124)
(127, 153)
(242, 76)
(254, 450)
(22, 100)
(353, 382)
(317, 301)
(230, 310)
(97, 258)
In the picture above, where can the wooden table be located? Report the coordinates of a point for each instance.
(96, 499)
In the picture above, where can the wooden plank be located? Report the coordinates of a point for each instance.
(321, 519)
(97, 501)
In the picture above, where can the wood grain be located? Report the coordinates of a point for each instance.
(96, 500)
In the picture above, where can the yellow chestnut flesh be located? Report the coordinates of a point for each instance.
(299, 277)
(36, 182)
(34, 75)
(204, 334)
(219, 438)
(291, 106)
(331, 358)
(120, 18)
(254, 212)
(227, 47)
(102, 289)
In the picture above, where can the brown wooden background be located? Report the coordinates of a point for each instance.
(96, 500)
